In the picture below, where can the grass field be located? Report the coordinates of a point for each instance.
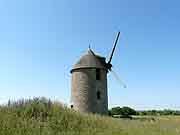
(40, 117)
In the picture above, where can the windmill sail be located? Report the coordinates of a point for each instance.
(109, 65)
(118, 79)
(114, 48)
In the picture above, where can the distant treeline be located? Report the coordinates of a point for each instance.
(127, 111)
(159, 112)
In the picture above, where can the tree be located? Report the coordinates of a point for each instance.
(127, 111)
(115, 111)
(124, 111)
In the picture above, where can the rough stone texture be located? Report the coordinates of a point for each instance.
(84, 91)
(85, 86)
(101, 85)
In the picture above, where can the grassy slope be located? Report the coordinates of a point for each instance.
(39, 117)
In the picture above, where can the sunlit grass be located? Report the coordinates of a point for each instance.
(43, 117)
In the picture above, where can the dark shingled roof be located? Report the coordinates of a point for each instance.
(90, 60)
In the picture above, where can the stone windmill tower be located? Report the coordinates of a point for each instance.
(89, 83)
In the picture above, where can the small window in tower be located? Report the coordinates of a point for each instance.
(98, 95)
(98, 74)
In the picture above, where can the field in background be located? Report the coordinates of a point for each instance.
(43, 117)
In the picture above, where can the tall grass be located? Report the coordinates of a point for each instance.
(43, 117)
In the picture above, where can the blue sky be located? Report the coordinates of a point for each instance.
(40, 40)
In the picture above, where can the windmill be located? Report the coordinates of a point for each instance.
(89, 82)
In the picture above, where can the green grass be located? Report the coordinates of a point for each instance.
(42, 117)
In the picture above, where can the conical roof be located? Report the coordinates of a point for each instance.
(90, 60)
